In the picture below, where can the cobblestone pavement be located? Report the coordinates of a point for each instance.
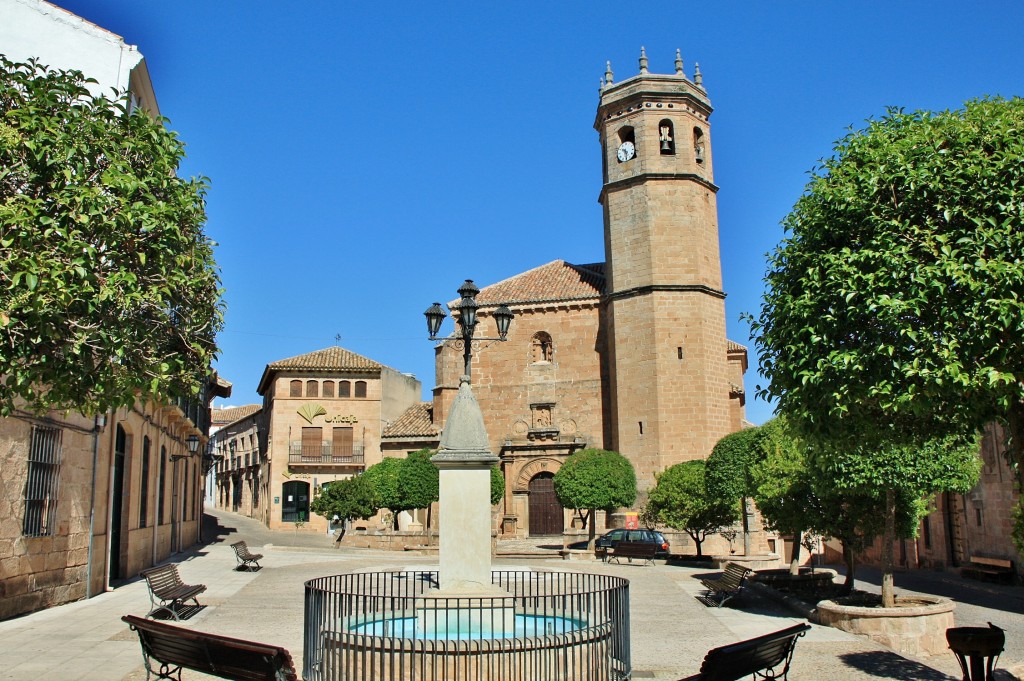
(670, 628)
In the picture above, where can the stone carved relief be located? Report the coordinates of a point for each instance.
(527, 472)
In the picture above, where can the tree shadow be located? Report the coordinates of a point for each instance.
(888, 665)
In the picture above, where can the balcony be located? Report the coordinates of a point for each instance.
(324, 455)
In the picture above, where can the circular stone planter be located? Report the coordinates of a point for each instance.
(918, 626)
(812, 585)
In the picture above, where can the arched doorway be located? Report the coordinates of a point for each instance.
(545, 511)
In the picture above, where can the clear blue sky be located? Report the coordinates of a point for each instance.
(365, 158)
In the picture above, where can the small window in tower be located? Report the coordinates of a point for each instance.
(312, 389)
(698, 145)
(344, 389)
(667, 138)
(679, 352)
(627, 145)
(641, 424)
(295, 389)
(541, 347)
(328, 388)
(360, 389)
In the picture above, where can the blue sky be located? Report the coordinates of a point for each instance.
(365, 158)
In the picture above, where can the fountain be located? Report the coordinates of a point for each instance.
(465, 620)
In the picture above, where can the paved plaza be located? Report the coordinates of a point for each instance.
(671, 629)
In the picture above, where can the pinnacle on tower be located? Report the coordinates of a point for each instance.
(608, 73)
(698, 79)
(679, 64)
(643, 61)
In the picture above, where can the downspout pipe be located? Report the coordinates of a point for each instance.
(98, 424)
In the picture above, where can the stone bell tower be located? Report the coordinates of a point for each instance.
(664, 304)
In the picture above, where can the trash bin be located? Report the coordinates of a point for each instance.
(977, 650)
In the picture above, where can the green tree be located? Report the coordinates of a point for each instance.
(892, 310)
(497, 485)
(418, 482)
(348, 499)
(383, 478)
(728, 473)
(108, 286)
(594, 479)
(906, 475)
(680, 499)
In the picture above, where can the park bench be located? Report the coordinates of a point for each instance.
(762, 656)
(167, 591)
(245, 559)
(991, 569)
(729, 584)
(176, 648)
(644, 551)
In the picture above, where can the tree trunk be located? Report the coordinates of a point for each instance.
(888, 538)
(850, 561)
(698, 543)
(794, 565)
(746, 527)
(592, 533)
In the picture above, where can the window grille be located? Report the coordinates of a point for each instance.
(144, 484)
(41, 482)
(161, 516)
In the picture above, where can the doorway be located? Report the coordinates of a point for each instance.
(546, 513)
(295, 501)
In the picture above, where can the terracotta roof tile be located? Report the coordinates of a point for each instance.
(733, 346)
(557, 281)
(416, 421)
(329, 359)
(222, 417)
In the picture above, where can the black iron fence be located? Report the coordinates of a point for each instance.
(533, 626)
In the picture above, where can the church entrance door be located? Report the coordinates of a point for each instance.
(545, 512)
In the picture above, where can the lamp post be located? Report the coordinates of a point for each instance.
(464, 463)
(467, 320)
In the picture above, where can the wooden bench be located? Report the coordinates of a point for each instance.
(762, 655)
(991, 569)
(644, 551)
(728, 585)
(176, 648)
(245, 559)
(167, 591)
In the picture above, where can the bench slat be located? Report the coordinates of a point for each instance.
(745, 658)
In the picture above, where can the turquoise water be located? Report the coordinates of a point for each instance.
(525, 626)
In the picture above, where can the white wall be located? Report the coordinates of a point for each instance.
(62, 40)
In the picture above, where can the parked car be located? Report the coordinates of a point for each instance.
(610, 539)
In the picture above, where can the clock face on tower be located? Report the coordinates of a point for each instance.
(626, 152)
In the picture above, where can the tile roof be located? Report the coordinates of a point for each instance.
(329, 359)
(733, 346)
(226, 415)
(557, 281)
(416, 421)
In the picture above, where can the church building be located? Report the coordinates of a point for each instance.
(630, 354)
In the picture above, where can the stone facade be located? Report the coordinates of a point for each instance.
(630, 354)
(324, 413)
(240, 464)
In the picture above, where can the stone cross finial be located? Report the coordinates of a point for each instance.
(698, 79)
(608, 73)
(643, 60)
(679, 64)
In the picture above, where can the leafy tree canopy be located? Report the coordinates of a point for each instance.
(417, 481)
(893, 309)
(108, 285)
(497, 485)
(680, 499)
(596, 479)
(348, 499)
(728, 467)
(383, 478)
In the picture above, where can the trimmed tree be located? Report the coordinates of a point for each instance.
(892, 310)
(594, 479)
(108, 287)
(348, 499)
(728, 473)
(497, 485)
(680, 500)
(418, 482)
(383, 478)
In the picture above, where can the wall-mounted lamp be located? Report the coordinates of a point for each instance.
(192, 442)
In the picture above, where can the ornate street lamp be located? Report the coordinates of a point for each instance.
(467, 320)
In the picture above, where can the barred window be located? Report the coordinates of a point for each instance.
(144, 484)
(41, 482)
(162, 496)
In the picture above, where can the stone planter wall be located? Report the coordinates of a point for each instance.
(918, 629)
